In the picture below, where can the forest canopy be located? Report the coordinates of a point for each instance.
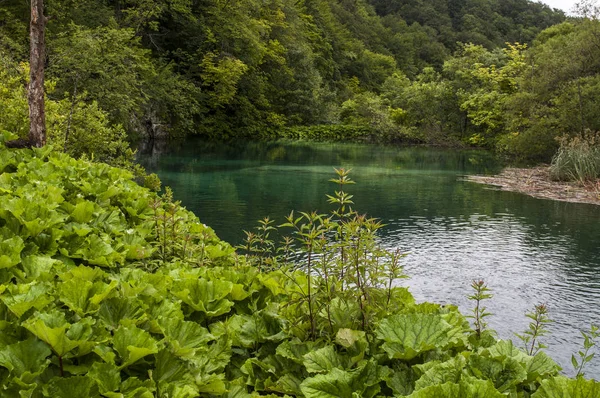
(494, 73)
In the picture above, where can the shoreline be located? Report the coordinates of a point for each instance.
(536, 182)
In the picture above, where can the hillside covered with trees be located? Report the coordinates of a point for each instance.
(229, 68)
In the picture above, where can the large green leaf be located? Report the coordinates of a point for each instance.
(322, 360)
(466, 388)
(361, 382)
(113, 310)
(70, 387)
(10, 252)
(52, 329)
(562, 387)
(440, 373)
(248, 330)
(408, 335)
(541, 366)
(295, 350)
(134, 388)
(84, 297)
(22, 297)
(133, 343)
(186, 337)
(28, 356)
(505, 373)
(106, 375)
(83, 211)
(204, 295)
(335, 384)
(36, 266)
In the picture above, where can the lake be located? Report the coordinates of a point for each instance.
(528, 250)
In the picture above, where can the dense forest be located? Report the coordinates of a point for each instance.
(504, 74)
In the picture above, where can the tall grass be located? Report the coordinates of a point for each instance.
(578, 159)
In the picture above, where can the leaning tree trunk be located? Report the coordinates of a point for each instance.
(37, 114)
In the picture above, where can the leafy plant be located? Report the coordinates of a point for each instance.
(537, 328)
(584, 357)
(479, 312)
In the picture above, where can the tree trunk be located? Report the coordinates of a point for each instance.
(37, 114)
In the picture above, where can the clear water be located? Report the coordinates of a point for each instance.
(528, 250)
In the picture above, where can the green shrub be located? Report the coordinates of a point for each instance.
(577, 159)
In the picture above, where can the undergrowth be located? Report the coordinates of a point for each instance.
(109, 290)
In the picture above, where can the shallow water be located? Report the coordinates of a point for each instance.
(528, 250)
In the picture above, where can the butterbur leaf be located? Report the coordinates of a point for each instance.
(562, 387)
(163, 313)
(506, 349)
(106, 375)
(361, 382)
(335, 384)
(185, 337)
(505, 374)
(408, 335)
(466, 388)
(82, 333)
(10, 252)
(322, 360)
(541, 366)
(83, 212)
(84, 297)
(133, 343)
(354, 341)
(348, 338)
(70, 387)
(52, 329)
(36, 266)
(135, 388)
(294, 350)
(213, 384)
(179, 390)
(401, 380)
(168, 367)
(247, 330)
(21, 298)
(205, 296)
(25, 356)
(115, 309)
(440, 373)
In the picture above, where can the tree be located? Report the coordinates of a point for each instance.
(37, 56)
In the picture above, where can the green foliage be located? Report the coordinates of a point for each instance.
(589, 342)
(161, 68)
(577, 159)
(479, 312)
(109, 289)
(537, 328)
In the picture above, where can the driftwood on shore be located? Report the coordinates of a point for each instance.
(536, 182)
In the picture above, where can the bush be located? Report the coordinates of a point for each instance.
(578, 159)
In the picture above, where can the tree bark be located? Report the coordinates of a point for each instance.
(37, 113)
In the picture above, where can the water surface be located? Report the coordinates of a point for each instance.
(528, 250)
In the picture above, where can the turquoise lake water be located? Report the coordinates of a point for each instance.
(528, 250)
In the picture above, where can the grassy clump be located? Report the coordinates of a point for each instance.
(109, 290)
(578, 159)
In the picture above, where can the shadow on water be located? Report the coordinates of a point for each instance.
(528, 250)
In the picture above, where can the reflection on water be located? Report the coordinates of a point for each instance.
(528, 250)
